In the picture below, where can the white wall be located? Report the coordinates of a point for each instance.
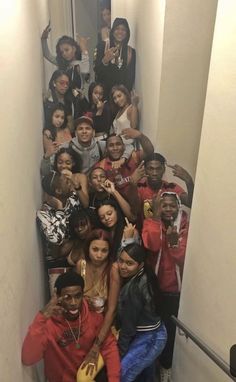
(173, 55)
(21, 273)
(188, 33)
(208, 295)
(59, 14)
(146, 20)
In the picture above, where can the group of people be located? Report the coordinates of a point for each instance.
(114, 232)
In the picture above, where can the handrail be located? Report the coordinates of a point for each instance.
(208, 351)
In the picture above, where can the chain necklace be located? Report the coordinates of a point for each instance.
(76, 340)
(119, 59)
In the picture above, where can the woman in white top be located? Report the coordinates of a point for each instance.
(125, 110)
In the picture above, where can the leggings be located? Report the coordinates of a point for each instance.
(171, 303)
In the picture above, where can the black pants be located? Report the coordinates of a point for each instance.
(171, 307)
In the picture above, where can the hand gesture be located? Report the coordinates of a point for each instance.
(54, 202)
(91, 360)
(129, 230)
(100, 107)
(68, 174)
(46, 32)
(53, 308)
(83, 43)
(172, 236)
(77, 93)
(110, 54)
(138, 173)
(51, 150)
(156, 206)
(180, 172)
(130, 133)
(118, 163)
(109, 186)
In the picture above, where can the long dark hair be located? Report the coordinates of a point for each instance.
(121, 21)
(48, 122)
(55, 75)
(122, 89)
(119, 228)
(62, 63)
(139, 254)
(76, 158)
(92, 86)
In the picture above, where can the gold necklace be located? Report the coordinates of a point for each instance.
(76, 340)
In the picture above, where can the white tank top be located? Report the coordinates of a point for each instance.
(122, 123)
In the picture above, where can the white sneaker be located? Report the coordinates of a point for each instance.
(165, 375)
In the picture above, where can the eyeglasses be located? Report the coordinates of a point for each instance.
(63, 83)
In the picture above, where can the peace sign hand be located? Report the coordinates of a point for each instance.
(53, 308)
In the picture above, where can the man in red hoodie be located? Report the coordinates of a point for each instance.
(165, 236)
(64, 331)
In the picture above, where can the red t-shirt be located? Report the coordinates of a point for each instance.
(120, 175)
(146, 194)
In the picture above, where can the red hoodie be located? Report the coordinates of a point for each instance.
(171, 260)
(52, 340)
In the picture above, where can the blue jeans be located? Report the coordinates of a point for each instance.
(143, 350)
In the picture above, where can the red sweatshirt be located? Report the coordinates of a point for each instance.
(52, 340)
(171, 259)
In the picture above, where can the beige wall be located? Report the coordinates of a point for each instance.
(21, 271)
(173, 55)
(146, 20)
(188, 33)
(59, 14)
(208, 295)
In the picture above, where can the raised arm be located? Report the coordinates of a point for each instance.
(180, 172)
(145, 142)
(46, 52)
(36, 340)
(124, 205)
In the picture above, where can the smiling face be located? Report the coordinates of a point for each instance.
(169, 208)
(115, 147)
(120, 33)
(108, 215)
(97, 178)
(71, 300)
(58, 118)
(64, 162)
(67, 52)
(84, 133)
(128, 267)
(98, 252)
